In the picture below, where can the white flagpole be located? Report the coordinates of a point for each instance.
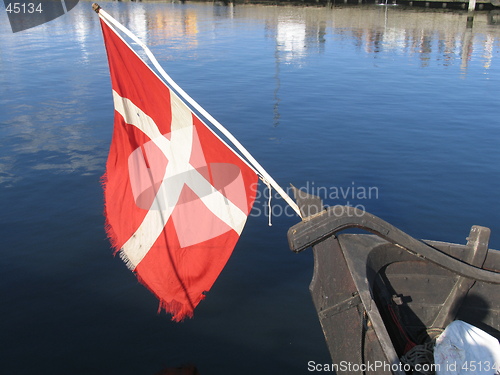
(266, 177)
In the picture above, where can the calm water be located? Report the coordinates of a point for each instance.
(399, 106)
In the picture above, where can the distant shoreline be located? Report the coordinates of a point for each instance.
(481, 5)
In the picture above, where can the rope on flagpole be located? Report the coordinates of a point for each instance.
(270, 189)
(103, 14)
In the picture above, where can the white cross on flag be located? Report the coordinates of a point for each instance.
(176, 196)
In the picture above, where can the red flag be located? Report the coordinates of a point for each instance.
(176, 196)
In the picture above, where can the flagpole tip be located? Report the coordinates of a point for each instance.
(96, 7)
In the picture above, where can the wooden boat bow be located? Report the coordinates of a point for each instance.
(379, 295)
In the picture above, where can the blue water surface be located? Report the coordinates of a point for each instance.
(393, 110)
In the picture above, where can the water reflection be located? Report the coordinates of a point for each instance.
(175, 26)
(56, 121)
(436, 36)
(291, 39)
(48, 114)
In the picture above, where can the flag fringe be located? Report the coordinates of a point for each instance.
(178, 310)
(126, 260)
(110, 233)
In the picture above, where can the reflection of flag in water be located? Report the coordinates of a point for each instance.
(176, 196)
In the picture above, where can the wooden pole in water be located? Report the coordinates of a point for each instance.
(470, 15)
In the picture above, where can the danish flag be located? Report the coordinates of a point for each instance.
(176, 196)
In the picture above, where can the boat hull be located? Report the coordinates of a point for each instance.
(379, 295)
